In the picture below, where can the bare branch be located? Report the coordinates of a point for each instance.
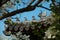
(53, 3)
(38, 2)
(30, 8)
(44, 8)
(31, 2)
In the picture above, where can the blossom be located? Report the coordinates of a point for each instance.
(7, 33)
(6, 26)
(21, 28)
(13, 37)
(53, 36)
(33, 27)
(25, 37)
(27, 28)
(49, 36)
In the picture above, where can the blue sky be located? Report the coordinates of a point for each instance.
(27, 14)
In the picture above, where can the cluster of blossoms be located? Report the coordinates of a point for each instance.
(23, 28)
(26, 29)
(51, 33)
(19, 36)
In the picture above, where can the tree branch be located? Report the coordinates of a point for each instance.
(31, 2)
(44, 8)
(53, 3)
(28, 8)
(39, 1)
